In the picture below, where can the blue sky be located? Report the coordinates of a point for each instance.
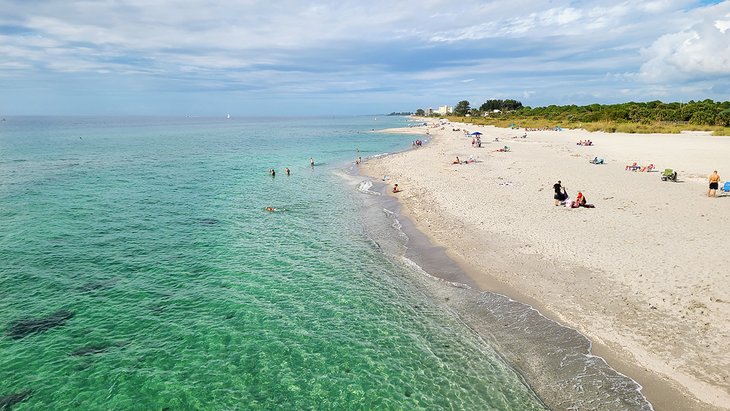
(249, 57)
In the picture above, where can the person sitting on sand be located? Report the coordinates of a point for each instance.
(457, 161)
(647, 168)
(579, 201)
(396, 189)
(714, 182)
(596, 160)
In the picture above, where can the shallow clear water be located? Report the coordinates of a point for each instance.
(187, 294)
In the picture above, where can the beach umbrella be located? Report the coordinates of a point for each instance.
(476, 133)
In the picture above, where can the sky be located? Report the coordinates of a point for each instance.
(284, 57)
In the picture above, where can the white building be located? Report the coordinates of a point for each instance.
(445, 110)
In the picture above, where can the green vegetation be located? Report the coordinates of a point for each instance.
(501, 105)
(462, 108)
(649, 117)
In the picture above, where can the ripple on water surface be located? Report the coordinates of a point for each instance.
(186, 294)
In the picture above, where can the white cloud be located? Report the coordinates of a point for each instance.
(722, 25)
(549, 47)
(695, 52)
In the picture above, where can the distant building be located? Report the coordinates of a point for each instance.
(445, 110)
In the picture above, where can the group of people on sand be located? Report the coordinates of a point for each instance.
(562, 198)
(584, 143)
(541, 129)
(416, 143)
(470, 160)
(636, 167)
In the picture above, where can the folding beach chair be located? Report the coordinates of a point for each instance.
(669, 175)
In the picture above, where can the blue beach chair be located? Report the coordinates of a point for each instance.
(726, 187)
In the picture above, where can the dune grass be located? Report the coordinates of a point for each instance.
(608, 127)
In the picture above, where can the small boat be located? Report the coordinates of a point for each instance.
(228, 116)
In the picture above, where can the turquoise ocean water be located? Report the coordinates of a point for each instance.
(140, 270)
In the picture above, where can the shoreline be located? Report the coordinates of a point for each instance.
(442, 222)
(536, 369)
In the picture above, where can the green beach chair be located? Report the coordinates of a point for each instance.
(669, 175)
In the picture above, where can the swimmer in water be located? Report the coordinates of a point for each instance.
(270, 209)
(288, 172)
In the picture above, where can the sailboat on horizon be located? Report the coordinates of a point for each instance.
(228, 116)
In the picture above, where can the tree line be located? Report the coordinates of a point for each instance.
(703, 113)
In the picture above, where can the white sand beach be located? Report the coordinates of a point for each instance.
(645, 274)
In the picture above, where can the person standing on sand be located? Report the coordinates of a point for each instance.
(714, 182)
